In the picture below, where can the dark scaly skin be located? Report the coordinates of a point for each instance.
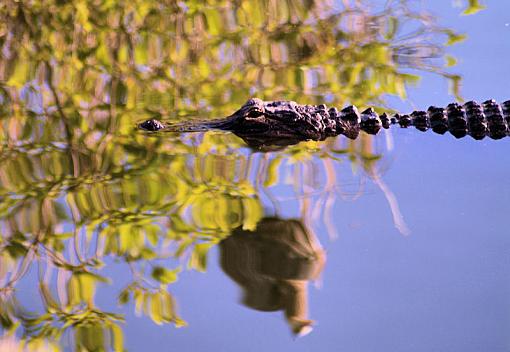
(264, 123)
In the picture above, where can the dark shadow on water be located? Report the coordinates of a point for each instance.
(273, 266)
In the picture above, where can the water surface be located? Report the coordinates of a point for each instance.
(112, 238)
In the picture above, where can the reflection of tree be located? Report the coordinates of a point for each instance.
(78, 188)
(273, 265)
(175, 205)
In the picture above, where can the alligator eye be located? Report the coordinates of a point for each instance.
(255, 113)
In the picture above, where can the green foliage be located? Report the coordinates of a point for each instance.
(473, 7)
(164, 275)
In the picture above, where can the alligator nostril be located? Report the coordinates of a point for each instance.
(151, 125)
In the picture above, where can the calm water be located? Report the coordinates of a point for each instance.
(114, 239)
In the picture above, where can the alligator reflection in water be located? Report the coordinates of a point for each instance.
(273, 265)
(261, 123)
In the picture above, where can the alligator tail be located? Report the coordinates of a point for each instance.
(477, 120)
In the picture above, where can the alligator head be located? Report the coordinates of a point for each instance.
(262, 123)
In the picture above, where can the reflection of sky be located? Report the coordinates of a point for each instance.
(445, 287)
(482, 58)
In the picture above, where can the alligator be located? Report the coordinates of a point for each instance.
(262, 123)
